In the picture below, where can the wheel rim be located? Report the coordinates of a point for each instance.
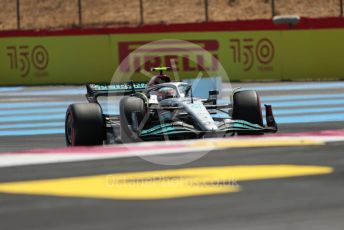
(69, 129)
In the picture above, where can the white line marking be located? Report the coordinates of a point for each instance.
(134, 150)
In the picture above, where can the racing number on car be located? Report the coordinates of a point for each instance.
(24, 58)
(247, 51)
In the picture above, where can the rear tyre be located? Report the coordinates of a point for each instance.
(84, 125)
(128, 106)
(246, 106)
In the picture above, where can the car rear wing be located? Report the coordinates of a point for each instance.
(118, 89)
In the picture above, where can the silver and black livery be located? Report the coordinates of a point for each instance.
(163, 110)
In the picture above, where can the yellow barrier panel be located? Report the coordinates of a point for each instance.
(50, 60)
(247, 55)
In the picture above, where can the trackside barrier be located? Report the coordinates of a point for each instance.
(249, 50)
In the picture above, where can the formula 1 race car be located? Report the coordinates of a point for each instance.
(163, 110)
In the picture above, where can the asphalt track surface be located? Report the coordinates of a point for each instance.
(306, 202)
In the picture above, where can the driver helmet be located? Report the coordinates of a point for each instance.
(165, 93)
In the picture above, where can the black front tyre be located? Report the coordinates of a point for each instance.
(129, 105)
(84, 125)
(246, 106)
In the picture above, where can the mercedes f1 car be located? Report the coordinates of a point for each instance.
(163, 110)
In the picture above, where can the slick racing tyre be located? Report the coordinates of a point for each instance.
(128, 106)
(246, 106)
(84, 125)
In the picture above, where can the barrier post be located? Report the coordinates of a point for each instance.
(273, 12)
(141, 13)
(80, 12)
(273, 8)
(18, 14)
(206, 5)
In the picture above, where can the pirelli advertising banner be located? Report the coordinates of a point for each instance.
(300, 54)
